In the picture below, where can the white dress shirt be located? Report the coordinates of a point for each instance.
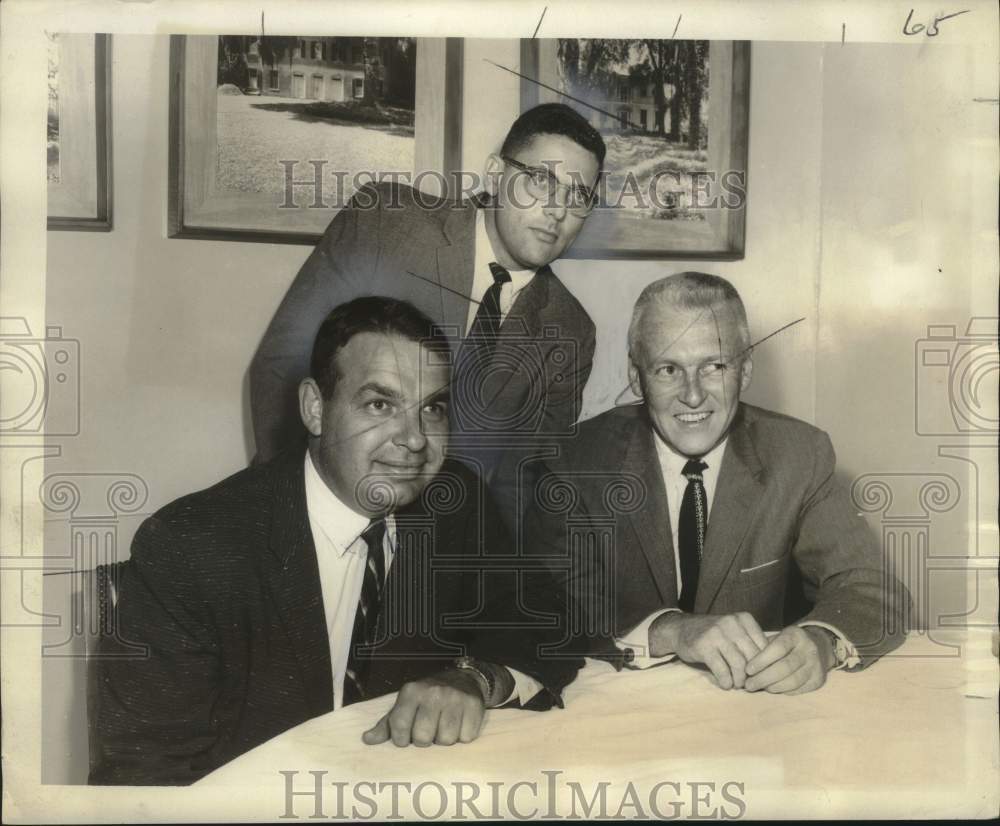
(671, 467)
(482, 276)
(342, 556)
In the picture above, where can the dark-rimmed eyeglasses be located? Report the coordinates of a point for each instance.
(542, 185)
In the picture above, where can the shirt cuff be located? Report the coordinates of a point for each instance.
(850, 659)
(525, 687)
(637, 640)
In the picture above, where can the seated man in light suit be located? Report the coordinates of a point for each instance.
(727, 501)
(329, 575)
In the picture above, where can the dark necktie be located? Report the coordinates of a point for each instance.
(366, 618)
(691, 531)
(486, 325)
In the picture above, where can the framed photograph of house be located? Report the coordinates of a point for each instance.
(674, 115)
(271, 135)
(78, 132)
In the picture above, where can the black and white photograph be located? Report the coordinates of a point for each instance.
(78, 131)
(261, 112)
(674, 114)
(499, 411)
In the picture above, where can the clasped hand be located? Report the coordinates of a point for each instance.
(739, 655)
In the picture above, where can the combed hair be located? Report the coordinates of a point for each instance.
(554, 119)
(689, 291)
(370, 314)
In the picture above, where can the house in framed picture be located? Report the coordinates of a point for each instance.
(271, 135)
(629, 99)
(674, 115)
(650, 86)
(335, 69)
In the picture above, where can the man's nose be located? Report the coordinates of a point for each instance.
(410, 432)
(556, 205)
(693, 393)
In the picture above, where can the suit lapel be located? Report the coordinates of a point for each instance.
(737, 496)
(292, 574)
(652, 520)
(523, 323)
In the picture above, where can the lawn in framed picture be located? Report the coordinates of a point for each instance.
(271, 135)
(674, 117)
(78, 131)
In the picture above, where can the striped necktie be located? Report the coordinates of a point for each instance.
(691, 528)
(486, 324)
(366, 618)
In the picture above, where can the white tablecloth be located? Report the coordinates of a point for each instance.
(915, 735)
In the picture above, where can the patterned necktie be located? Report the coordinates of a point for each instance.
(691, 532)
(366, 618)
(486, 325)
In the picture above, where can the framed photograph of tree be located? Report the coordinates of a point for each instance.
(271, 135)
(674, 115)
(78, 132)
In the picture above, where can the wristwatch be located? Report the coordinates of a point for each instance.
(473, 665)
(839, 647)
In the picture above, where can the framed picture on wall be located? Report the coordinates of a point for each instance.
(78, 132)
(674, 116)
(271, 135)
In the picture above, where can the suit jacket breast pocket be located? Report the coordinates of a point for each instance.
(755, 575)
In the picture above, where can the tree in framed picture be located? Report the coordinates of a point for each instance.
(78, 132)
(674, 116)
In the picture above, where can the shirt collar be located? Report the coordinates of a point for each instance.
(518, 278)
(337, 522)
(673, 463)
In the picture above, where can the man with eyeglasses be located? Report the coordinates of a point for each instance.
(481, 268)
(680, 524)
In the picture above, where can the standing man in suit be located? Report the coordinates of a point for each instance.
(326, 576)
(481, 268)
(723, 502)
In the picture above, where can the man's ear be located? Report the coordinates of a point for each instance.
(493, 171)
(746, 371)
(633, 378)
(311, 406)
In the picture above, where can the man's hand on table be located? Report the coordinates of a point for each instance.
(725, 643)
(794, 662)
(445, 708)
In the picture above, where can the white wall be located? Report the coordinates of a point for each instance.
(909, 214)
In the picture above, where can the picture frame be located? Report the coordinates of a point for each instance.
(79, 175)
(199, 203)
(704, 216)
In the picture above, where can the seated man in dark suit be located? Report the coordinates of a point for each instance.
(705, 506)
(329, 575)
(483, 269)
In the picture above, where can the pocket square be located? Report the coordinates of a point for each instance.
(758, 567)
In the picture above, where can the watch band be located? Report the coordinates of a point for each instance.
(840, 651)
(473, 665)
(839, 647)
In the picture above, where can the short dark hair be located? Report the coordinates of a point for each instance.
(369, 314)
(554, 119)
